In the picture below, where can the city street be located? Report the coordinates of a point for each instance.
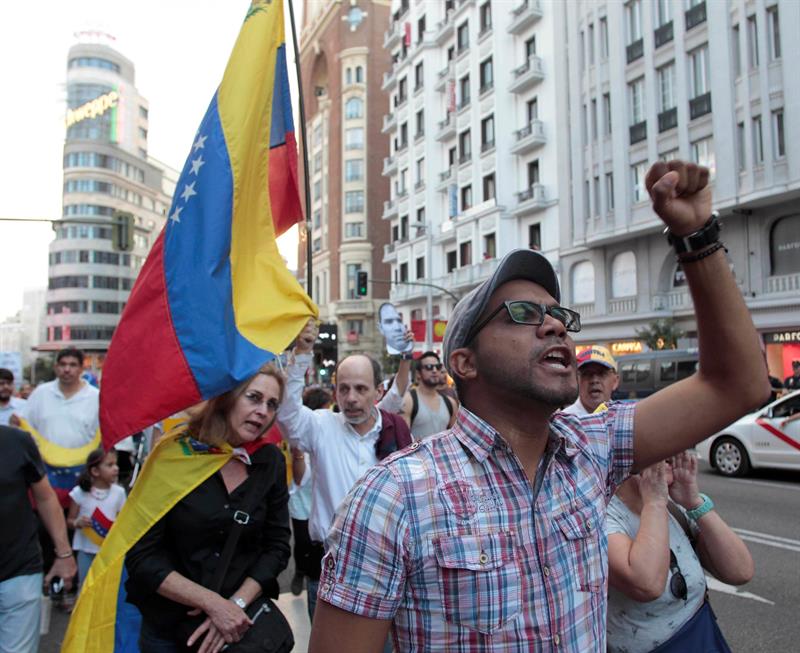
(761, 616)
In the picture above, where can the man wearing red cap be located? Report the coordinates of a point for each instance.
(597, 379)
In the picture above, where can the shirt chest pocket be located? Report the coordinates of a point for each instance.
(479, 579)
(582, 547)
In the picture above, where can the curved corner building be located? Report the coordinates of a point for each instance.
(106, 168)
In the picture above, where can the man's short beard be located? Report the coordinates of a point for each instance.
(428, 383)
(357, 420)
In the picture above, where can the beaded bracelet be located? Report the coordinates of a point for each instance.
(699, 257)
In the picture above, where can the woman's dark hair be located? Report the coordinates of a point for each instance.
(92, 460)
(210, 423)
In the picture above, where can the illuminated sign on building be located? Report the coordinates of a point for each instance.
(781, 337)
(92, 108)
(626, 347)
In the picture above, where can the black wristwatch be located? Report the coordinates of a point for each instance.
(700, 239)
(407, 355)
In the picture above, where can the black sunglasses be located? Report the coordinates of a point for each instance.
(429, 367)
(677, 583)
(532, 314)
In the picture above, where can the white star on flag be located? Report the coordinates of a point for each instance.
(200, 143)
(196, 165)
(176, 214)
(188, 191)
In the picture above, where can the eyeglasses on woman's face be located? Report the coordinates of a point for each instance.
(677, 582)
(531, 314)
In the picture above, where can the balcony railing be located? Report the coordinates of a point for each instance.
(638, 132)
(667, 119)
(635, 50)
(529, 137)
(527, 74)
(700, 105)
(695, 16)
(447, 174)
(523, 15)
(663, 34)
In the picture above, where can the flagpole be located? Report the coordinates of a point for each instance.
(307, 182)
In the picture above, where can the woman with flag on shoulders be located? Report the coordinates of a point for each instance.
(171, 568)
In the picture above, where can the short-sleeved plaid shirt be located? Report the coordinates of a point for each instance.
(447, 539)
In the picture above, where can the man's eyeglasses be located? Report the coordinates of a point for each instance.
(677, 583)
(532, 314)
(429, 367)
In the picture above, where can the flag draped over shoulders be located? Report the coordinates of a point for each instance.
(215, 300)
(102, 621)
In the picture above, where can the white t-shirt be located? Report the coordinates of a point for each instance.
(109, 502)
(69, 423)
(635, 627)
(576, 409)
(13, 406)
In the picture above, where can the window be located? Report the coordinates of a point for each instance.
(669, 155)
(354, 170)
(636, 94)
(623, 275)
(402, 143)
(421, 221)
(582, 56)
(142, 132)
(317, 190)
(633, 20)
(596, 188)
(466, 197)
(420, 267)
(402, 92)
(317, 219)
(353, 229)
(778, 139)
(700, 73)
(532, 110)
(666, 87)
(463, 91)
(420, 171)
(663, 12)
(419, 76)
(487, 133)
(489, 247)
(773, 34)
(758, 142)
(533, 173)
(464, 146)
(609, 191)
(530, 48)
(587, 207)
(354, 108)
(639, 191)
(486, 17)
(606, 114)
(421, 29)
(584, 124)
(740, 153)
(354, 201)
(603, 38)
(489, 189)
(583, 283)
(420, 123)
(752, 42)
(465, 253)
(452, 156)
(452, 260)
(736, 48)
(535, 236)
(400, 183)
(318, 162)
(404, 272)
(354, 138)
(486, 75)
(404, 227)
(590, 43)
(703, 154)
(359, 75)
(355, 326)
(462, 36)
(348, 76)
(352, 274)
(594, 119)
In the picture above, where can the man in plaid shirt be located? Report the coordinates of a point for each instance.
(489, 536)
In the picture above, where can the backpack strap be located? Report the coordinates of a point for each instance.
(682, 520)
(414, 404)
(446, 403)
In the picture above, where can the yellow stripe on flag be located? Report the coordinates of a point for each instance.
(58, 456)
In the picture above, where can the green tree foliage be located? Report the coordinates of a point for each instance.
(661, 334)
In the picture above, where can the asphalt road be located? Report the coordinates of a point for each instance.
(761, 616)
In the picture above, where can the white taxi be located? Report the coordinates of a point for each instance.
(765, 438)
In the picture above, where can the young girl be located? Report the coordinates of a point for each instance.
(94, 505)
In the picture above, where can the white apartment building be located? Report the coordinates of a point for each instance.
(708, 81)
(477, 165)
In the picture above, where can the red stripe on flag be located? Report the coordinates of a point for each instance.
(777, 433)
(284, 195)
(100, 517)
(151, 378)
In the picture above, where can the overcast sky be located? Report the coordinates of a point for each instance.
(179, 49)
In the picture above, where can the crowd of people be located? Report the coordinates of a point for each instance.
(523, 511)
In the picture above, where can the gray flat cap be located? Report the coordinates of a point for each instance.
(518, 264)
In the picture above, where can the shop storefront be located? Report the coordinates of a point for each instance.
(782, 348)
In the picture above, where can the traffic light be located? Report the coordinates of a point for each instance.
(362, 279)
(122, 231)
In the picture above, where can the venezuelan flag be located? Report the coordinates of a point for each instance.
(100, 525)
(102, 621)
(63, 465)
(214, 300)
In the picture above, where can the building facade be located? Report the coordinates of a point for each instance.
(343, 63)
(106, 168)
(707, 81)
(477, 165)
